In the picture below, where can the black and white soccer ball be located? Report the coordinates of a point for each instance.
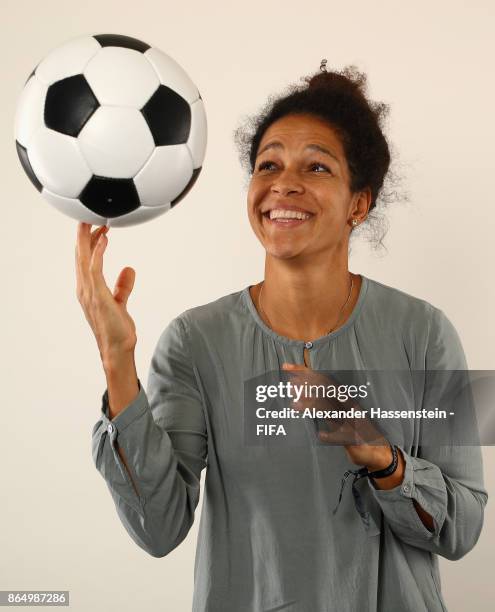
(110, 130)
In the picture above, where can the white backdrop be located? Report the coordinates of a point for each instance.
(431, 61)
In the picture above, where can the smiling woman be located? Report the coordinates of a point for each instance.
(295, 178)
(268, 539)
(317, 160)
(359, 150)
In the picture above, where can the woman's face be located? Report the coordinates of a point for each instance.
(297, 173)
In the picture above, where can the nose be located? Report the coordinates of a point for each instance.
(286, 182)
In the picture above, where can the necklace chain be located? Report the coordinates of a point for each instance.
(339, 315)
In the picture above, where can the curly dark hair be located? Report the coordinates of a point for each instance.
(340, 98)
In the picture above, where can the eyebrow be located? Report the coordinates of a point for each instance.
(313, 147)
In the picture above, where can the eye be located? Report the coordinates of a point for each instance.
(318, 164)
(264, 165)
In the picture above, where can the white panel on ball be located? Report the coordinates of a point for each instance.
(29, 115)
(198, 134)
(140, 215)
(49, 151)
(67, 60)
(172, 74)
(164, 175)
(116, 142)
(122, 77)
(73, 208)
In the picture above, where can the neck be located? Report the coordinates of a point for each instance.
(304, 302)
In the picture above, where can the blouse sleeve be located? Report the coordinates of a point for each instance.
(162, 434)
(446, 481)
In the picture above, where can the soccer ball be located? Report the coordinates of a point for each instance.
(110, 130)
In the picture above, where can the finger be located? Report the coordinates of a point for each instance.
(340, 425)
(124, 285)
(351, 436)
(293, 366)
(97, 279)
(103, 229)
(303, 373)
(86, 243)
(82, 244)
(81, 249)
(338, 438)
(295, 371)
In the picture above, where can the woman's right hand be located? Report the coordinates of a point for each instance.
(106, 313)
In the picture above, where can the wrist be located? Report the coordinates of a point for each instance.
(382, 458)
(122, 385)
(117, 362)
(395, 478)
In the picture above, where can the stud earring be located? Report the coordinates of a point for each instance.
(355, 222)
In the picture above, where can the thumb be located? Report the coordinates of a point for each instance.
(124, 285)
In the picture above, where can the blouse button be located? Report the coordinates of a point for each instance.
(308, 345)
(110, 428)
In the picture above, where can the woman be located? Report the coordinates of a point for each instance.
(268, 539)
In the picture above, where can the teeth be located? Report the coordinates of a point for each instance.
(278, 213)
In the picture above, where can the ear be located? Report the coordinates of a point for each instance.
(360, 206)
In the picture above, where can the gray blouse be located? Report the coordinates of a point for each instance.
(268, 539)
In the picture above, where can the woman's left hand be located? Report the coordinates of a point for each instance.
(363, 442)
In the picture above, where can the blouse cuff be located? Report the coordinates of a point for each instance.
(423, 481)
(106, 457)
(126, 416)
